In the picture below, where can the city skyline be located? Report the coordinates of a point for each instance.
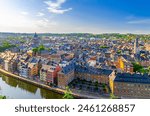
(73, 16)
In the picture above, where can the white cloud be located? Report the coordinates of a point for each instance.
(45, 23)
(143, 21)
(40, 14)
(56, 11)
(56, 7)
(24, 13)
(15, 21)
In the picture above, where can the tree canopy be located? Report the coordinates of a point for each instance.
(6, 45)
(2, 97)
(139, 68)
(38, 49)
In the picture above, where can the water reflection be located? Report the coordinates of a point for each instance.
(27, 87)
(17, 89)
(10, 82)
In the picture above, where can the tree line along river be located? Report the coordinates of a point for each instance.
(16, 89)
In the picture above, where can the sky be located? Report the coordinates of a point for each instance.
(75, 16)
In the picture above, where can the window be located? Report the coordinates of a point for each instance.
(138, 85)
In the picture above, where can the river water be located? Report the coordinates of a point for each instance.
(16, 89)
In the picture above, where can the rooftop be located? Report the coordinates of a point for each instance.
(92, 70)
(133, 78)
(34, 60)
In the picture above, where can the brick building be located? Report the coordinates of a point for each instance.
(66, 75)
(127, 85)
(93, 74)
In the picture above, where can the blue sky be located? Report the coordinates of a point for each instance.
(65, 16)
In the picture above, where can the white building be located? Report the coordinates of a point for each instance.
(6, 65)
(23, 70)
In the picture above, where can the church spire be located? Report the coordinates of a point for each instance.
(35, 35)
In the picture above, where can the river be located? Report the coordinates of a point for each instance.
(16, 89)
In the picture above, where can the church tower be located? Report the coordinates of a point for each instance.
(136, 46)
(36, 40)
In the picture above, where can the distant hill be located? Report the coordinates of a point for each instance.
(86, 35)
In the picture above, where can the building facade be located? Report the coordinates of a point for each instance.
(23, 69)
(65, 78)
(127, 85)
(33, 70)
(124, 66)
(93, 74)
(66, 75)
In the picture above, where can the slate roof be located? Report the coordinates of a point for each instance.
(92, 70)
(132, 78)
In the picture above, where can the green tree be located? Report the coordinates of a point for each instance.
(119, 52)
(38, 49)
(144, 71)
(105, 88)
(41, 47)
(104, 47)
(49, 49)
(2, 97)
(137, 67)
(6, 45)
(68, 94)
(96, 83)
(35, 49)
